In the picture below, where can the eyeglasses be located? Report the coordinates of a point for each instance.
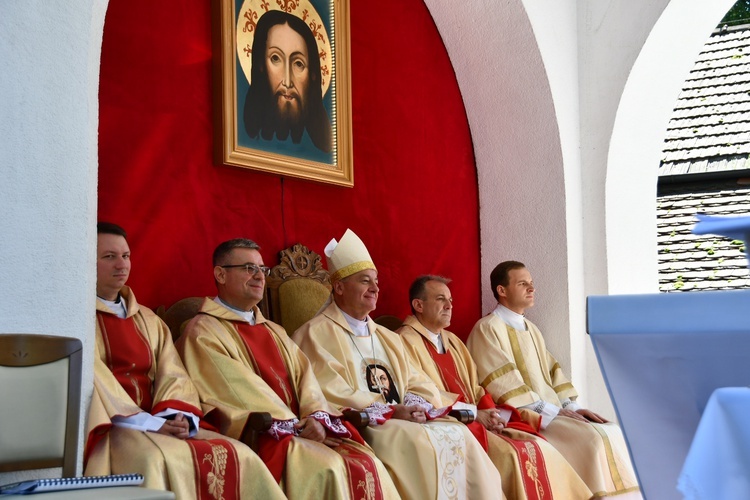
(251, 269)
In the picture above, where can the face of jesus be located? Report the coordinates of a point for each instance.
(378, 378)
(288, 72)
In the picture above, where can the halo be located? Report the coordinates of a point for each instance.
(247, 19)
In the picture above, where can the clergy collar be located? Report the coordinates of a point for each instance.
(248, 316)
(436, 339)
(117, 300)
(359, 327)
(117, 306)
(510, 318)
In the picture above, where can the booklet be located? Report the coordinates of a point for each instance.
(70, 483)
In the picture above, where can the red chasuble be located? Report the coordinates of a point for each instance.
(269, 365)
(129, 357)
(537, 485)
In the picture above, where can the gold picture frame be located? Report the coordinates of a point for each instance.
(283, 132)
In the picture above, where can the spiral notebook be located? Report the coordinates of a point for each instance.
(70, 483)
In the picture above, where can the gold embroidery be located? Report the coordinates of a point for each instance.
(616, 479)
(450, 450)
(563, 387)
(518, 356)
(352, 269)
(507, 368)
(215, 478)
(368, 484)
(134, 382)
(282, 384)
(532, 469)
(513, 393)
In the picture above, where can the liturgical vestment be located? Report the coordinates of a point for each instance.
(436, 460)
(516, 368)
(136, 370)
(241, 368)
(530, 467)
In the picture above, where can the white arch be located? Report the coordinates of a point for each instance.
(645, 108)
(542, 82)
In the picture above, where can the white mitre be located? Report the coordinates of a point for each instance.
(346, 257)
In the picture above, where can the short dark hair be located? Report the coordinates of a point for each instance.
(499, 275)
(226, 247)
(419, 285)
(110, 228)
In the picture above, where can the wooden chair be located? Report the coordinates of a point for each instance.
(389, 321)
(40, 390)
(296, 289)
(179, 314)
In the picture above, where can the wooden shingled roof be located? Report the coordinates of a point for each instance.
(701, 262)
(709, 131)
(706, 169)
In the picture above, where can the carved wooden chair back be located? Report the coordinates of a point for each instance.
(296, 288)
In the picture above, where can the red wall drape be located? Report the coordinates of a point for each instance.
(414, 203)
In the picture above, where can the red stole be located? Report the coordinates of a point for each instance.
(269, 365)
(453, 383)
(129, 356)
(533, 467)
(217, 471)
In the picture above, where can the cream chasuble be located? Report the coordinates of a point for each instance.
(437, 460)
(209, 466)
(516, 368)
(523, 477)
(230, 385)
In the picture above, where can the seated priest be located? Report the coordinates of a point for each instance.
(530, 467)
(516, 368)
(242, 363)
(145, 413)
(362, 365)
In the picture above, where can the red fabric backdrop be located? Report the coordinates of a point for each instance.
(414, 203)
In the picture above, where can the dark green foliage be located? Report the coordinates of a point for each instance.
(738, 14)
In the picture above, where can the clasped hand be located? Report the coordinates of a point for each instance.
(178, 427)
(412, 413)
(314, 431)
(491, 420)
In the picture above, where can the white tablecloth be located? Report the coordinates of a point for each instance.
(718, 464)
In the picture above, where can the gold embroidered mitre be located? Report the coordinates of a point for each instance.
(347, 257)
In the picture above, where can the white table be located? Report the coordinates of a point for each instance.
(718, 464)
